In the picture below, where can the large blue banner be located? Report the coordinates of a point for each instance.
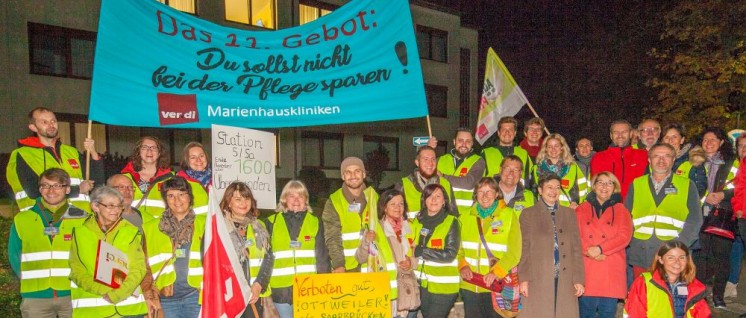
(155, 67)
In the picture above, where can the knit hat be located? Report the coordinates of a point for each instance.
(351, 161)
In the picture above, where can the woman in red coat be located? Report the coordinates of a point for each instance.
(605, 231)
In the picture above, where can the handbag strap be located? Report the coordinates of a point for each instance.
(481, 237)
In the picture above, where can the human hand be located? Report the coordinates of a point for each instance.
(489, 279)
(573, 205)
(90, 146)
(432, 142)
(256, 289)
(579, 290)
(714, 198)
(370, 236)
(340, 269)
(153, 304)
(593, 251)
(86, 186)
(739, 213)
(465, 272)
(600, 257)
(523, 288)
(167, 291)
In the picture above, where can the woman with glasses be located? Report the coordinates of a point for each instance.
(106, 232)
(147, 166)
(605, 227)
(174, 244)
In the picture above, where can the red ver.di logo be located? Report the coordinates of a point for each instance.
(177, 109)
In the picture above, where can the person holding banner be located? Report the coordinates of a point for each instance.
(345, 215)
(493, 156)
(395, 228)
(510, 188)
(107, 261)
(38, 247)
(462, 168)
(297, 239)
(44, 151)
(251, 241)
(147, 166)
(552, 275)
(436, 239)
(555, 158)
(174, 245)
(426, 173)
(490, 251)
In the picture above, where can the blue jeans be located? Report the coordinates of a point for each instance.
(736, 260)
(185, 307)
(605, 306)
(285, 310)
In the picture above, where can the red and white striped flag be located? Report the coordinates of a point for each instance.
(226, 291)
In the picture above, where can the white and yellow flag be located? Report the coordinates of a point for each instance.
(501, 97)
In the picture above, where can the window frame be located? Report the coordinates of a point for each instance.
(321, 136)
(432, 33)
(318, 5)
(72, 119)
(194, 4)
(386, 139)
(68, 34)
(428, 88)
(249, 13)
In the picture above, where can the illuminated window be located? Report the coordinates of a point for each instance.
(187, 6)
(260, 13)
(312, 10)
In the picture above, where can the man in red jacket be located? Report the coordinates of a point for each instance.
(620, 158)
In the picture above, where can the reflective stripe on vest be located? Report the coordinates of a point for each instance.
(256, 256)
(464, 197)
(40, 160)
(86, 304)
(351, 223)
(666, 220)
(160, 249)
(438, 278)
(290, 261)
(496, 229)
(44, 264)
(414, 197)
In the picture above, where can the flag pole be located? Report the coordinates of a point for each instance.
(429, 128)
(88, 154)
(535, 114)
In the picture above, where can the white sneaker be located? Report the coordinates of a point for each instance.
(730, 290)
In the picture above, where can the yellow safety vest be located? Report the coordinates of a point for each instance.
(446, 166)
(658, 301)
(493, 158)
(574, 176)
(496, 229)
(438, 278)
(87, 304)
(528, 201)
(69, 161)
(149, 204)
(44, 264)
(256, 256)
(665, 220)
(293, 258)
(414, 196)
(160, 250)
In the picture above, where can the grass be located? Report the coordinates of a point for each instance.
(10, 298)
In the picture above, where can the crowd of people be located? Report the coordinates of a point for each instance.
(527, 229)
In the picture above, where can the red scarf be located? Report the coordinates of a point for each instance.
(532, 150)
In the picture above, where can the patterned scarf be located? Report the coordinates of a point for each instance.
(180, 232)
(203, 176)
(546, 168)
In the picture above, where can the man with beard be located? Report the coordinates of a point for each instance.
(620, 158)
(511, 189)
(425, 174)
(39, 153)
(650, 133)
(493, 156)
(462, 168)
(664, 207)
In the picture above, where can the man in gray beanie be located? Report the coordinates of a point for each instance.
(345, 215)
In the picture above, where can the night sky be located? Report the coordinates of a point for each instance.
(581, 64)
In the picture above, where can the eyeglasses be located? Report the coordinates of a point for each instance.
(649, 130)
(124, 188)
(111, 206)
(56, 186)
(149, 148)
(605, 183)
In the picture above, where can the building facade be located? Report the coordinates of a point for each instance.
(47, 60)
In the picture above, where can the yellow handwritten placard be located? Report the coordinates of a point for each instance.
(348, 295)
